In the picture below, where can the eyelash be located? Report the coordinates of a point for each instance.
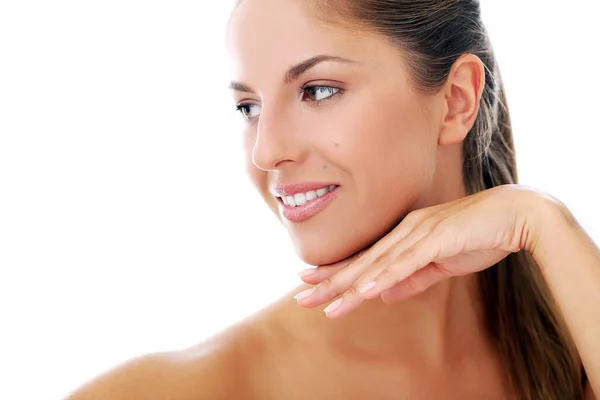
(301, 91)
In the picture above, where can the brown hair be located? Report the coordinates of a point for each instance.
(522, 317)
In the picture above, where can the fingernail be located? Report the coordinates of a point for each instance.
(367, 286)
(307, 272)
(333, 306)
(304, 294)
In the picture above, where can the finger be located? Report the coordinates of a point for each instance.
(342, 305)
(415, 284)
(408, 263)
(366, 267)
(316, 275)
(407, 226)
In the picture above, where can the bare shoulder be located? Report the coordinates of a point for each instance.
(215, 369)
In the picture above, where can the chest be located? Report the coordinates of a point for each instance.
(305, 376)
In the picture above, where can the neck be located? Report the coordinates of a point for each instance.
(433, 327)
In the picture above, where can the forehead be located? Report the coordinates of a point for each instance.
(271, 35)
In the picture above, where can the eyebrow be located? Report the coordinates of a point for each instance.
(295, 71)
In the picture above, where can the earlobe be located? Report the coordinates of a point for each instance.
(462, 95)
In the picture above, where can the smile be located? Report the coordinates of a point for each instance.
(302, 206)
(300, 199)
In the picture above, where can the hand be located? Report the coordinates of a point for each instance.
(431, 244)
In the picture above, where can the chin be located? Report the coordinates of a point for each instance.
(319, 250)
(318, 246)
(321, 256)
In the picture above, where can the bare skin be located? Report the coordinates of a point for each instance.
(390, 150)
(286, 352)
(305, 357)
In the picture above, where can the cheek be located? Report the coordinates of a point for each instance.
(388, 153)
(387, 142)
(399, 151)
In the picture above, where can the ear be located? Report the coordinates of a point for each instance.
(462, 94)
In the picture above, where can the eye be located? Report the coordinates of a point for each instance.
(318, 93)
(311, 94)
(247, 110)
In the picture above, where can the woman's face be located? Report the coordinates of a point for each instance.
(351, 121)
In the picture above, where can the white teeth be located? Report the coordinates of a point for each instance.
(321, 192)
(299, 199)
(311, 195)
(291, 201)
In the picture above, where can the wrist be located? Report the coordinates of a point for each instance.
(548, 220)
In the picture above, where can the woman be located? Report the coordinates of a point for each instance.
(378, 132)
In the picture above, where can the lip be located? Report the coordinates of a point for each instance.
(303, 212)
(300, 187)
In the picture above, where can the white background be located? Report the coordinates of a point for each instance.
(127, 225)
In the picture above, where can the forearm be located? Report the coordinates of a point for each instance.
(570, 263)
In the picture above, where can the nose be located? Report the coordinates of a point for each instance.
(275, 142)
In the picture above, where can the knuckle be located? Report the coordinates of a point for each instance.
(383, 259)
(432, 223)
(388, 276)
(352, 291)
(412, 260)
(325, 284)
(329, 286)
(415, 216)
(410, 254)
